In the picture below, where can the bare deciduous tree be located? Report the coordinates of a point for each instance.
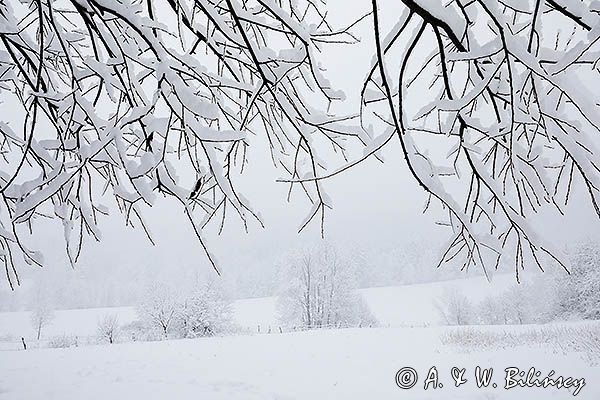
(109, 328)
(319, 290)
(41, 316)
(41, 306)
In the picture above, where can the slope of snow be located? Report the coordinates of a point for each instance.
(331, 364)
(415, 305)
(81, 322)
(249, 314)
(395, 306)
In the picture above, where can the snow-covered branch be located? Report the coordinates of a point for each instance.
(505, 96)
(124, 100)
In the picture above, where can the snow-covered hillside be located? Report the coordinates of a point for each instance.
(82, 322)
(320, 364)
(395, 306)
(415, 305)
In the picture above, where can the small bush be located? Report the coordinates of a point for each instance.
(455, 308)
(62, 341)
(109, 329)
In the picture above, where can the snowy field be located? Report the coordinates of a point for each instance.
(327, 364)
(321, 364)
(393, 306)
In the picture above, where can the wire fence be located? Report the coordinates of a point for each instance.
(269, 329)
(12, 343)
(59, 341)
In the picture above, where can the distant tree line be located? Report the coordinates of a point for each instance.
(555, 296)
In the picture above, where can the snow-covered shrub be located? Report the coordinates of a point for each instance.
(206, 311)
(579, 291)
(109, 329)
(514, 306)
(364, 316)
(319, 290)
(138, 331)
(158, 310)
(531, 303)
(62, 341)
(534, 302)
(203, 309)
(455, 308)
(550, 296)
(490, 311)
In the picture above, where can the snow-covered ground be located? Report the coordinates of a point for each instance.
(249, 314)
(327, 364)
(321, 364)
